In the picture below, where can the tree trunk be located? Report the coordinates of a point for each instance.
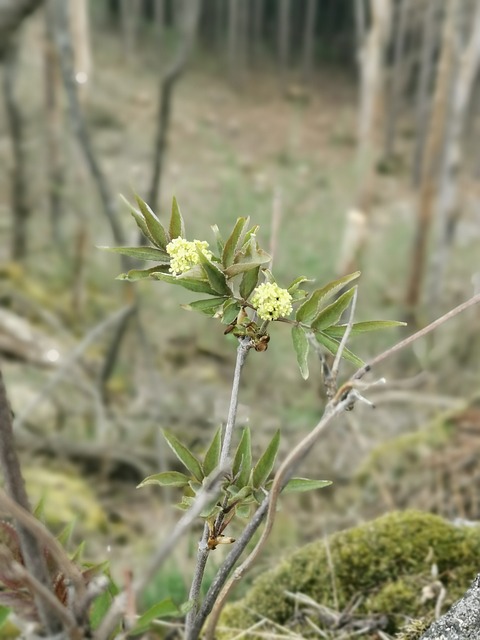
(372, 61)
(430, 165)
(422, 102)
(283, 41)
(309, 40)
(167, 84)
(54, 128)
(394, 98)
(258, 9)
(19, 180)
(80, 28)
(129, 12)
(448, 205)
(65, 53)
(12, 14)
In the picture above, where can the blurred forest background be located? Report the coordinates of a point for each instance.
(350, 131)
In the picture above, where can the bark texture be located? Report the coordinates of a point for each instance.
(12, 14)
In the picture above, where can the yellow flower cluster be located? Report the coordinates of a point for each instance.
(271, 301)
(184, 255)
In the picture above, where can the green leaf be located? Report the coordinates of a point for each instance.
(301, 346)
(215, 276)
(139, 219)
(251, 232)
(101, 605)
(310, 308)
(166, 479)
(332, 345)
(164, 608)
(208, 306)
(218, 239)
(142, 274)
(243, 511)
(231, 309)
(65, 534)
(332, 314)
(296, 283)
(304, 484)
(177, 226)
(264, 466)
(363, 327)
(185, 456)
(141, 253)
(192, 284)
(233, 241)
(242, 462)
(250, 257)
(155, 228)
(212, 456)
(249, 282)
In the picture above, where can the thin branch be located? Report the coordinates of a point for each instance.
(59, 375)
(416, 336)
(204, 497)
(15, 487)
(244, 346)
(19, 572)
(45, 539)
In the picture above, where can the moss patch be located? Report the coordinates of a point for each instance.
(385, 564)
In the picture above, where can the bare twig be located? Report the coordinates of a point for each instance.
(15, 488)
(59, 375)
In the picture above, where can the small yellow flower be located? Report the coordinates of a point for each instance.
(184, 255)
(271, 301)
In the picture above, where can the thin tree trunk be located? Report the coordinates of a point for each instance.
(394, 99)
(80, 28)
(430, 165)
(233, 42)
(309, 40)
(283, 41)
(65, 52)
(167, 84)
(258, 8)
(54, 126)
(422, 102)
(448, 205)
(12, 14)
(19, 181)
(129, 13)
(159, 17)
(372, 62)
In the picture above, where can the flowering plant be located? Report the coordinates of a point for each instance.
(242, 293)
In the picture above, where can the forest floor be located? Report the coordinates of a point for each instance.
(230, 154)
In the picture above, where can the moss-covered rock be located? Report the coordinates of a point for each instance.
(385, 565)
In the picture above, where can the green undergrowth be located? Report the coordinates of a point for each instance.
(387, 565)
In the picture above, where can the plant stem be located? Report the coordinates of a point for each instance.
(244, 346)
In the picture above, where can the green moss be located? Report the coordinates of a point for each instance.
(386, 562)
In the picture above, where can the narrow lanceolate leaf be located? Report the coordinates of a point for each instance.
(208, 306)
(140, 274)
(363, 327)
(155, 227)
(139, 219)
(332, 345)
(296, 283)
(264, 466)
(164, 608)
(218, 239)
(304, 484)
(250, 257)
(232, 243)
(301, 346)
(142, 253)
(249, 282)
(166, 479)
(242, 463)
(177, 226)
(309, 309)
(192, 284)
(185, 456)
(333, 312)
(231, 309)
(212, 456)
(251, 232)
(216, 278)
